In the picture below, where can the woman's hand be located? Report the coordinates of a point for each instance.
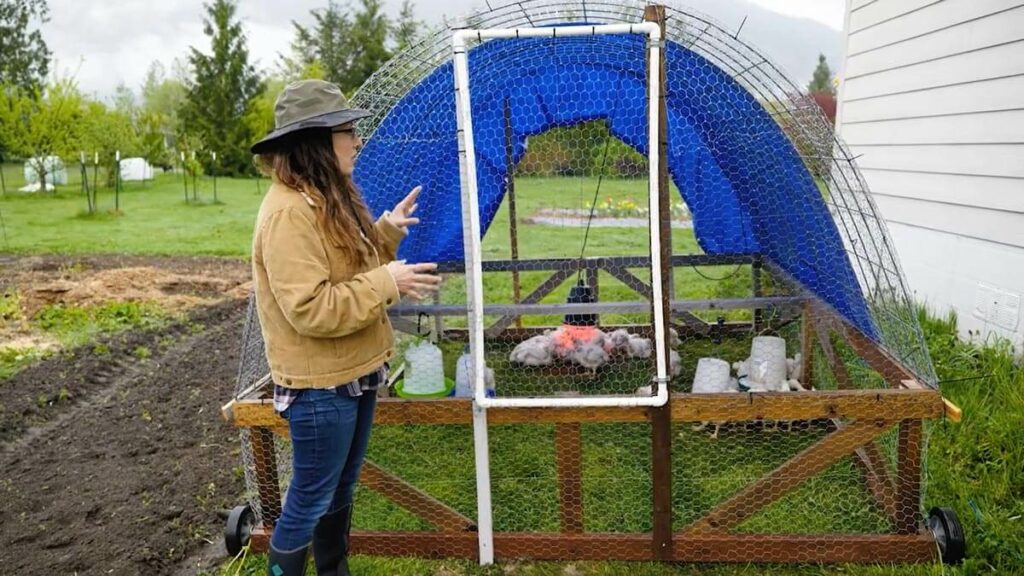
(415, 280)
(401, 215)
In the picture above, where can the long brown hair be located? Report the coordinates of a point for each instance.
(306, 162)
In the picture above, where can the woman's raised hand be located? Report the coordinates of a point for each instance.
(415, 280)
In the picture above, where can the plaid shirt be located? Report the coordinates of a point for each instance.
(284, 396)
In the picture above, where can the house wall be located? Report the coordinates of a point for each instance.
(931, 100)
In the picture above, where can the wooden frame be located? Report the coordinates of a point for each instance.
(855, 418)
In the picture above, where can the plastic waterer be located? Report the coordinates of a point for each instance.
(424, 373)
(463, 384)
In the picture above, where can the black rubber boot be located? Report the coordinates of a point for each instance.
(330, 543)
(287, 563)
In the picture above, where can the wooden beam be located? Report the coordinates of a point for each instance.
(807, 347)
(256, 413)
(745, 407)
(259, 539)
(569, 460)
(743, 548)
(661, 418)
(693, 327)
(661, 479)
(622, 274)
(811, 549)
(786, 477)
(813, 405)
(546, 287)
(755, 288)
(593, 280)
(908, 459)
(426, 507)
(539, 264)
(635, 284)
(890, 368)
(624, 307)
(872, 465)
(953, 412)
(834, 361)
(519, 545)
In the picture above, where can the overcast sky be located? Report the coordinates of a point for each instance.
(106, 43)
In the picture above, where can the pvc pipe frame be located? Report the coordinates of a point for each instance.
(474, 272)
(471, 215)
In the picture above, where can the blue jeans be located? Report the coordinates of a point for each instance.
(329, 436)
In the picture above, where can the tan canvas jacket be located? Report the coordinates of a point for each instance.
(324, 319)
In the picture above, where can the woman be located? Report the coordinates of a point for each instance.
(325, 274)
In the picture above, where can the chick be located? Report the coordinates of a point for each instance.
(638, 347)
(536, 351)
(795, 367)
(590, 355)
(673, 338)
(675, 363)
(620, 340)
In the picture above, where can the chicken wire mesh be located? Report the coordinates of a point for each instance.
(868, 248)
(788, 291)
(559, 347)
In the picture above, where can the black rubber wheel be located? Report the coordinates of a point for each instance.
(948, 533)
(238, 529)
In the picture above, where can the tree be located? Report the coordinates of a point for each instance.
(347, 48)
(44, 125)
(158, 122)
(261, 114)
(821, 81)
(368, 43)
(107, 131)
(325, 45)
(407, 29)
(221, 93)
(24, 56)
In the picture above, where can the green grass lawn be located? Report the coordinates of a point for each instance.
(154, 219)
(974, 467)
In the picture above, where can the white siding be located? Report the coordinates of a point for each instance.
(929, 256)
(985, 96)
(932, 104)
(999, 127)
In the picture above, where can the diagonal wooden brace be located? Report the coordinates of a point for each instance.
(789, 475)
(423, 505)
(534, 297)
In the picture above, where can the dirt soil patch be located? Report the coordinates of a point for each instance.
(173, 284)
(112, 462)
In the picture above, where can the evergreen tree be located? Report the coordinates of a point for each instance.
(220, 93)
(821, 81)
(346, 48)
(370, 30)
(325, 46)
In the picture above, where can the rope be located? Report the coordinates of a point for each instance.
(726, 277)
(593, 205)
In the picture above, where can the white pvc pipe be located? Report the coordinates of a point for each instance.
(474, 271)
(471, 243)
(654, 163)
(658, 399)
(482, 459)
(473, 249)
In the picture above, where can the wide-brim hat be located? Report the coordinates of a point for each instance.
(304, 105)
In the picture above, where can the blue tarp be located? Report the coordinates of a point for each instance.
(747, 188)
